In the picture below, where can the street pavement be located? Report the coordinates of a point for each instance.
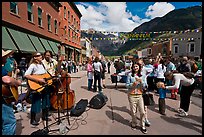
(114, 118)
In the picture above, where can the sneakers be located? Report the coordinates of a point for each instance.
(180, 110)
(133, 127)
(147, 123)
(183, 114)
(144, 130)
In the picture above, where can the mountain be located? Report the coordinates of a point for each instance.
(179, 20)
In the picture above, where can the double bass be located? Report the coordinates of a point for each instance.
(62, 90)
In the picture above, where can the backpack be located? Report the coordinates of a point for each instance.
(194, 68)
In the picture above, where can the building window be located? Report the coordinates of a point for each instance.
(49, 22)
(72, 19)
(68, 33)
(40, 17)
(65, 30)
(149, 51)
(30, 11)
(65, 12)
(191, 47)
(55, 26)
(14, 7)
(69, 16)
(176, 49)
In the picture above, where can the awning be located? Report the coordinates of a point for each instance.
(78, 50)
(7, 42)
(69, 47)
(54, 46)
(46, 45)
(36, 43)
(22, 40)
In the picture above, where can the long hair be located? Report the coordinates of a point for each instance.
(33, 61)
(133, 71)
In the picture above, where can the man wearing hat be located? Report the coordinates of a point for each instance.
(8, 117)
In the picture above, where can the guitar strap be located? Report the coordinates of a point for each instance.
(46, 70)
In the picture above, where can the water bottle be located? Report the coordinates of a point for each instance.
(62, 128)
(24, 107)
(19, 107)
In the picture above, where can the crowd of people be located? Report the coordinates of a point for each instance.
(159, 75)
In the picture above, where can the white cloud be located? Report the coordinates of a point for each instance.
(159, 9)
(114, 16)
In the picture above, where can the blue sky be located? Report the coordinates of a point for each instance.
(124, 16)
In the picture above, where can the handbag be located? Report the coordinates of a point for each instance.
(148, 99)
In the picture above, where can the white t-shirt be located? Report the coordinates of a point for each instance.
(97, 66)
(180, 79)
(35, 69)
(160, 72)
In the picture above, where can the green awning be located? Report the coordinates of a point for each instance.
(37, 43)
(7, 42)
(46, 45)
(71, 48)
(78, 50)
(54, 46)
(22, 40)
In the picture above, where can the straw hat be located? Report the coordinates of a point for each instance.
(7, 53)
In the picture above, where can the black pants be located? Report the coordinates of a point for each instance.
(97, 78)
(162, 105)
(185, 95)
(151, 84)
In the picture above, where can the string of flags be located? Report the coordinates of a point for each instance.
(141, 35)
(146, 39)
(155, 32)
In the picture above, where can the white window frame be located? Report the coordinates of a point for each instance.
(16, 8)
(56, 27)
(49, 25)
(65, 12)
(31, 13)
(176, 46)
(40, 18)
(149, 49)
(189, 47)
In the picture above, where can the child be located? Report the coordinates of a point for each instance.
(162, 96)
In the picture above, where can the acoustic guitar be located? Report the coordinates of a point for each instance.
(39, 87)
(9, 93)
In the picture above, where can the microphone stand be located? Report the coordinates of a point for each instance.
(58, 110)
(67, 86)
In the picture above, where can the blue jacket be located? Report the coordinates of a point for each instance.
(162, 92)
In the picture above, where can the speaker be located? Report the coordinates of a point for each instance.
(98, 101)
(79, 108)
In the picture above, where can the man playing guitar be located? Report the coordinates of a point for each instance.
(8, 117)
(36, 75)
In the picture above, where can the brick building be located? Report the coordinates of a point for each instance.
(28, 27)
